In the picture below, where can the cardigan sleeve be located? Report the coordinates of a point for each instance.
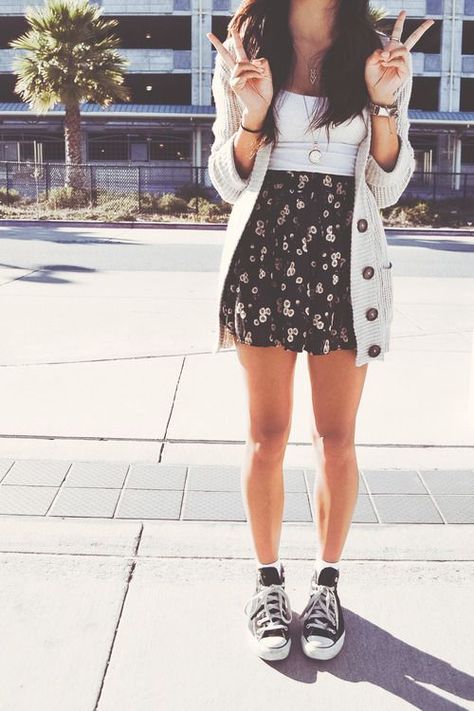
(388, 185)
(221, 164)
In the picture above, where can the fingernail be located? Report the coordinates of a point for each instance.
(385, 54)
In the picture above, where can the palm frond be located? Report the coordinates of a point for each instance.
(69, 55)
(377, 14)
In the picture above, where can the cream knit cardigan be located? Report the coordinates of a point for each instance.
(375, 188)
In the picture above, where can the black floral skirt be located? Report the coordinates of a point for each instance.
(289, 280)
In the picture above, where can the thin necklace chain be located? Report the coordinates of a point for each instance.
(314, 69)
(315, 153)
(314, 74)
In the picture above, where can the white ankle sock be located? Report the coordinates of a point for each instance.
(275, 564)
(320, 563)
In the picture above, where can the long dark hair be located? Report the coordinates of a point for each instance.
(264, 27)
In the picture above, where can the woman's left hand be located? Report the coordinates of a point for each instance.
(387, 69)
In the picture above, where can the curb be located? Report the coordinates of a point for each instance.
(116, 225)
(428, 231)
(146, 539)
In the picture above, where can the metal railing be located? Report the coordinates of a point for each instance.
(436, 185)
(131, 187)
(138, 188)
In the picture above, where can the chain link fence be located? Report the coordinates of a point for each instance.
(108, 186)
(436, 185)
(117, 189)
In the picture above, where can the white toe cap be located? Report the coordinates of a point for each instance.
(272, 642)
(318, 642)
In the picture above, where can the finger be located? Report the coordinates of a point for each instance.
(245, 71)
(395, 62)
(376, 56)
(398, 26)
(245, 66)
(223, 51)
(419, 32)
(397, 52)
(239, 47)
(240, 82)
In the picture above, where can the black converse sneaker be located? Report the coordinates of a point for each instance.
(323, 623)
(269, 613)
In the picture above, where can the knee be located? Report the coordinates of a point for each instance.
(269, 441)
(335, 441)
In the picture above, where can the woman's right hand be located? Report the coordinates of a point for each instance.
(250, 80)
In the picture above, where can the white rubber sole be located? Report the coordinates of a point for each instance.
(322, 652)
(270, 655)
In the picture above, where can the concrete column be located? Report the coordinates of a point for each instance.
(447, 159)
(207, 138)
(196, 146)
(83, 143)
(201, 57)
(451, 58)
(457, 144)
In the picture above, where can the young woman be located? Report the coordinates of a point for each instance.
(311, 139)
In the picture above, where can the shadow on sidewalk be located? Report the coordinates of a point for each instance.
(371, 654)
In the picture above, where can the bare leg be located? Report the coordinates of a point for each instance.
(268, 374)
(336, 384)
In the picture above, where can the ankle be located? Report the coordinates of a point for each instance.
(276, 564)
(321, 563)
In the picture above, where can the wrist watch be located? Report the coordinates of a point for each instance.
(383, 109)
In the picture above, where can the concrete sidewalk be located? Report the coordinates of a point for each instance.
(131, 490)
(125, 557)
(120, 615)
(107, 355)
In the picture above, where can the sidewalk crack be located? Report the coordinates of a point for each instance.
(109, 656)
(173, 402)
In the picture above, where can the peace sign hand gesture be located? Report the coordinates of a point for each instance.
(388, 68)
(251, 80)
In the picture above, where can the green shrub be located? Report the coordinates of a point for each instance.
(61, 198)
(421, 214)
(102, 214)
(225, 207)
(192, 190)
(149, 202)
(204, 208)
(411, 212)
(10, 197)
(169, 203)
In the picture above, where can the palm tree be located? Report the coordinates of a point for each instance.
(377, 14)
(69, 56)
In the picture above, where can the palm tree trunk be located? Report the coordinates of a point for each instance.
(72, 136)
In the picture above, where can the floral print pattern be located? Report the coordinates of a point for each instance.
(289, 280)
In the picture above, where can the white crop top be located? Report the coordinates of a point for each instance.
(295, 139)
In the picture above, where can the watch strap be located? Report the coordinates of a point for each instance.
(383, 109)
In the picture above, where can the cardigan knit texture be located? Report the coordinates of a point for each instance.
(370, 270)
